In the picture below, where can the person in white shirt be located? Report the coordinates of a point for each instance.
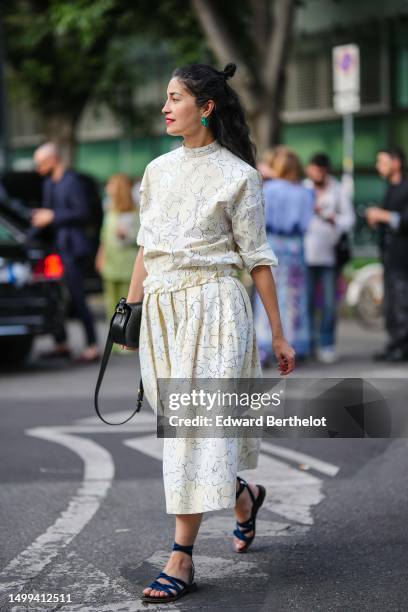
(334, 216)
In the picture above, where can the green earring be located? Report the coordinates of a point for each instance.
(204, 121)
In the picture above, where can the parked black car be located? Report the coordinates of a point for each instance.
(33, 298)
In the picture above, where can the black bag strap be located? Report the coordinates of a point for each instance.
(104, 363)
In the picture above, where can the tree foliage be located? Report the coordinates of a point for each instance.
(58, 49)
(68, 52)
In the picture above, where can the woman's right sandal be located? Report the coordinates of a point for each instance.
(250, 525)
(180, 587)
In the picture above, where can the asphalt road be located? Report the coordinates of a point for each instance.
(82, 504)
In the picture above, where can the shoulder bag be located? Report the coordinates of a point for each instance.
(124, 330)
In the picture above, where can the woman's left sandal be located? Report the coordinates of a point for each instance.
(180, 587)
(245, 527)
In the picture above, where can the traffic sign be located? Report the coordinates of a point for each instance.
(346, 79)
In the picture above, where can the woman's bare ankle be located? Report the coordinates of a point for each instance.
(180, 559)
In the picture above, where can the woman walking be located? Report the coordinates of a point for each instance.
(117, 248)
(288, 212)
(202, 220)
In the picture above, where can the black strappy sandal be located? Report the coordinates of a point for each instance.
(180, 587)
(250, 525)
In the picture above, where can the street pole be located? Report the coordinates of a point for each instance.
(348, 154)
(346, 102)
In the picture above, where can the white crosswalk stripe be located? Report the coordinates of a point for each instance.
(215, 527)
(98, 474)
(291, 493)
(68, 577)
(121, 606)
(312, 462)
(148, 445)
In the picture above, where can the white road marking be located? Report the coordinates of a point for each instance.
(99, 429)
(98, 475)
(68, 577)
(148, 445)
(215, 527)
(316, 464)
(291, 493)
(122, 606)
(141, 418)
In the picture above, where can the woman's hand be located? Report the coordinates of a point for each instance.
(128, 348)
(285, 355)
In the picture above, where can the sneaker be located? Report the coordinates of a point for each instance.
(327, 355)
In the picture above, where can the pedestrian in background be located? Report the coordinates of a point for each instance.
(392, 220)
(265, 165)
(117, 249)
(66, 210)
(333, 216)
(288, 211)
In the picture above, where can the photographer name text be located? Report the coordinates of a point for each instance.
(259, 421)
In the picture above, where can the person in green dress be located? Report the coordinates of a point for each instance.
(117, 249)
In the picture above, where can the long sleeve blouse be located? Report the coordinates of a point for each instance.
(202, 216)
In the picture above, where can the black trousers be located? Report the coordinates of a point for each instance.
(74, 280)
(396, 308)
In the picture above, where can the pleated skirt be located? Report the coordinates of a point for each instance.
(203, 331)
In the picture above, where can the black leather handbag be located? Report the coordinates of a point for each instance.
(124, 330)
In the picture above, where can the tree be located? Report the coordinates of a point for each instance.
(58, 58)
(260, 48)
(66, 53)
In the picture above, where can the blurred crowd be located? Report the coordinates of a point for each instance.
(309, 217)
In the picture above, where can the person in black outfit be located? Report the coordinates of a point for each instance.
(392, 220)
(65, 208)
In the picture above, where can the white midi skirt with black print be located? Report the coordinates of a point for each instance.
(203, 331)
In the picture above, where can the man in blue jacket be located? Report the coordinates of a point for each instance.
(65, 208)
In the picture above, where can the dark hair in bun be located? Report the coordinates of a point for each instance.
(229, 71)
(227, 121)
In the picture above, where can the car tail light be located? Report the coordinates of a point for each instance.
(50, 267)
